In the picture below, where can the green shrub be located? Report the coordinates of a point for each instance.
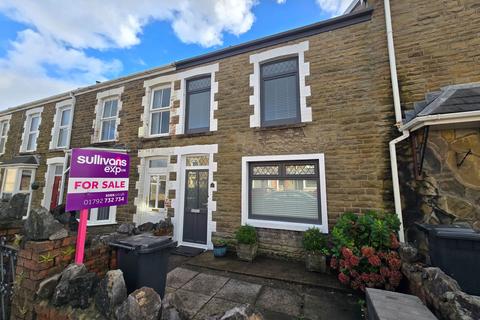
(219, 242)
(246, 235)
(315, 241)
(364, 250)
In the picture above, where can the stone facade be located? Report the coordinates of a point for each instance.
(350, 101)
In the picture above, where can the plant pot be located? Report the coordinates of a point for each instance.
(247, 252)
(220, 251)
(316, 262)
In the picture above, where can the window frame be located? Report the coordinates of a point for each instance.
(187, 103)
(111, 118)
(149, 172)
(93, 217)
(282, 175)
(159, 110)
(271, 123)
(58, 126)
(284, 225)
(17, 183)
(4, 122)
(28, 133)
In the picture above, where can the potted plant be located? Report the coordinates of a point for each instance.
(247, 244)
(219, 248)
(316, 251)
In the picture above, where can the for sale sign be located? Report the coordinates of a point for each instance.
(97, 179)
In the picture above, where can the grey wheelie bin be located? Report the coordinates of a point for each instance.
(143, 260)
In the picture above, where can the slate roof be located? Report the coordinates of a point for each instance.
(451, 99)
(20, 160)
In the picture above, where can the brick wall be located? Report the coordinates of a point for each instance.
(10, 229)
(40, 260)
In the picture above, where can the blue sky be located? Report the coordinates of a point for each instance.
(47, 48)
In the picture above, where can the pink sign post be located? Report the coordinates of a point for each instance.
(97, 179)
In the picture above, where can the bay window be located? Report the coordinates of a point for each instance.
(17, 180)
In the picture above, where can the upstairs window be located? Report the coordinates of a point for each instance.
(108, 120)
(198, 104)
(31, 130)
(62, 127)
(280, 102)
(4, 124)
(160, 112)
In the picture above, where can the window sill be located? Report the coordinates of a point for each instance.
(105, 143)
(191, 135)
(155, 138)
(284, 225)
(281, 127)
(98, 224)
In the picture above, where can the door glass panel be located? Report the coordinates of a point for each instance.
(158, 163)
(203, 189)
(161, 194)
(191, 198)
(152, 198)
(58, 170)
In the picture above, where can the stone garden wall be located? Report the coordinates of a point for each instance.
(38, 260)
(450, 190)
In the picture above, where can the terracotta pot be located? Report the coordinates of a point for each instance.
(316, 262)
(247, 252)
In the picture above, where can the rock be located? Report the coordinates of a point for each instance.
(111, 293)
(40, 225)
(146, 227)
(126, 228)
(241, 313)
(173, 308)
(408, 253)
(47, 287)
(60, 214)
(428, 187)
(142, 304)
(81, 289)
(466, 306)
(60, 234)
(62, 293)
(14, 209)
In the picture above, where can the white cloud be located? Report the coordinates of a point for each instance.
(334, 7)
(281, 1)
(49, 56)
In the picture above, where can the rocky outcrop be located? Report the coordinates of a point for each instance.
(14, 209)
(62, 293)
(47, 287)
(111, 293)
(40, 225)
(142, 304)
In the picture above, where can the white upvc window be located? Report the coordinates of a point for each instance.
(17, 180)
(284, 192)
(156, 184)
(160, 111)
(31, 130)
(102, 216)
(4, 127)
(62, 125)
(108, 120)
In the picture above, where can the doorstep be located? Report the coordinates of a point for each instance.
(268, 268)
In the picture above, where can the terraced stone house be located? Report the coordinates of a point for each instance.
(282, 133)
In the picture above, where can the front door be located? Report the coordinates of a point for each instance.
(55, 191)
(196, 206)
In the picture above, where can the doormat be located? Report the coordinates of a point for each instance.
(187, 251)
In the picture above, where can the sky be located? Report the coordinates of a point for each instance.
(52, 46)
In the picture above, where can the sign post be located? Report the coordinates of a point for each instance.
(97, 179)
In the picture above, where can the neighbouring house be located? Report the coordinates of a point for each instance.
(283, 133)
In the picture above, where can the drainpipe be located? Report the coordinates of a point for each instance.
(398, 118)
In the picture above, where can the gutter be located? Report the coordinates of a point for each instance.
(398, 119)
(439, 119)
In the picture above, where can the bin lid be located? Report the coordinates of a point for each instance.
(460, 234)
(435, 228)
(144, 242)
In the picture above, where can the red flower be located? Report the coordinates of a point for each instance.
(334, 263)
(374, 261)
(342, 263)
(354, 274)
(395, 277)
(394, 263)
(347, 253)
(343, 278)
(385, 272)
(394, 244)
(354, 260)
(367, 252)
(365, 277)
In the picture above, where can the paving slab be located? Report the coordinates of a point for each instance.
(331, 305)
(190, 302)
(280, 300)
(206, 284)
(179, 276)
(215, 307)
(239, 291)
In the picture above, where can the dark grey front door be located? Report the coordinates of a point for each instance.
(196, 204)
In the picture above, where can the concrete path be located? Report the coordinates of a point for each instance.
(205, 293)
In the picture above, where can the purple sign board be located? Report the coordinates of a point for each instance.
(97, 179)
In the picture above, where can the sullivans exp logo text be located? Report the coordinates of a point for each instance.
(111, 165)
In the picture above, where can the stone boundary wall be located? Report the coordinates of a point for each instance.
(40, 260)
(10, 229)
